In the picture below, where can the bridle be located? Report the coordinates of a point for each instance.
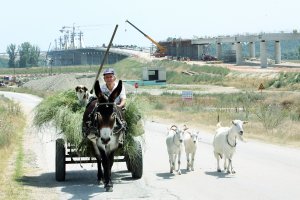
(95, 115)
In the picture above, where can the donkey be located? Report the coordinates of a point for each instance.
(99, 123)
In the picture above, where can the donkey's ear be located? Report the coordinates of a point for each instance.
(97, 89)
(116, 92)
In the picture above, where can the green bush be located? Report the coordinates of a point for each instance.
(285, 79)
(271, 115)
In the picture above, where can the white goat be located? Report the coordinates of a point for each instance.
(224, 143)
(174, 146)
(190, 144)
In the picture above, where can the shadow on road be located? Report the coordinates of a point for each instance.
(219, 174)
(166, 175)
(80, 184)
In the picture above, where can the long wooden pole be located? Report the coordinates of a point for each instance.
(104, 58)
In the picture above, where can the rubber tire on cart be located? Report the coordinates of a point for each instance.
(60, 166)
(136, 167)
(127, 160)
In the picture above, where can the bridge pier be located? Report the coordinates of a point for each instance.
(251, 47)
(219, 51)
(277, 52)
(200, 49)
(263, 54)
(239, 53)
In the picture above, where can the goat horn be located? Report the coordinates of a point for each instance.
(173, 126)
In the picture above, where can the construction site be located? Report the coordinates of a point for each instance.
(263, 49)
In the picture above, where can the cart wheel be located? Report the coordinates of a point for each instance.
(60, 166)
(127, 160)
(136, 165)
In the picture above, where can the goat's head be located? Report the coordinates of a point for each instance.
(194, 136)
(238, 127)
(177, 133)
(105, 112)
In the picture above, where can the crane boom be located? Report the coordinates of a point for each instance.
(161, 50)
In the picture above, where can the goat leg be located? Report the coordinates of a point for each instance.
(187, 161)
(192, 162)
(231, 168)
(217, 156)
(171, 162)
(179, 155)
(226, 167)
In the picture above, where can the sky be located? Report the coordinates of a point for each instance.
(39, 21)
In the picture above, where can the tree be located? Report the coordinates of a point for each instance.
(29, 55)
(12, 53)
(34, 55)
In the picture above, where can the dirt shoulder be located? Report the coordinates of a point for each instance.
(37, 179)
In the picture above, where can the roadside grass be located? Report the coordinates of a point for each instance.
(11, 150)
(248, 83)
(128, 69)
(273, 118)
(290, 80)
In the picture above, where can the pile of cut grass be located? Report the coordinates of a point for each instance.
(64, 112)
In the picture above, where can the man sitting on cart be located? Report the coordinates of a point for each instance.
(110, 84)
(107, 88)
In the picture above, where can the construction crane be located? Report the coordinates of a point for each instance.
(161, 51)
(67, 30)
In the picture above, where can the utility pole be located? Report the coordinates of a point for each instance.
(80, 39)
(73, 37)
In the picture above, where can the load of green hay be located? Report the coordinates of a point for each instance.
(63, 110)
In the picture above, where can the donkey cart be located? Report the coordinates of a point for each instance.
(66, 153)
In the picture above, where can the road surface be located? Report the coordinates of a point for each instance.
(264, 171)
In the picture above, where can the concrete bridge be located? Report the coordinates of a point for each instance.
(236, 42)
(85, 56)
(191, 48)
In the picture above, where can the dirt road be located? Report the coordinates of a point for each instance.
(264, 171)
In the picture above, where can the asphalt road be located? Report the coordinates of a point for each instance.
(264, 171)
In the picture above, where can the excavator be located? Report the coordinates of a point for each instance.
(161, 51)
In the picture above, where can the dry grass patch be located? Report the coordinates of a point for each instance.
(273, 117)
(11, 150)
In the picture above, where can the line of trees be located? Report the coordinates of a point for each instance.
(27, 54)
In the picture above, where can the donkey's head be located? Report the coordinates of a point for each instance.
(105, 112)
